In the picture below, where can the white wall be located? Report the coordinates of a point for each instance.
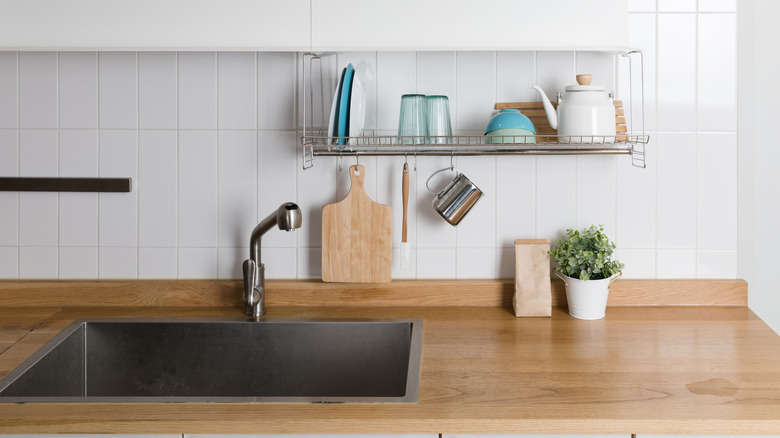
(209, 140)
(759, 113)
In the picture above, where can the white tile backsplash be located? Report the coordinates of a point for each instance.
(639, 263)
(476, 90)
(596, 186)
(676, 204)
(209, 141)
(515, 200)
(476, 263)
(676, 72)
(78, 263)
(197, 90)
(641, 5)
(9, 213)
(556, 196)
(118, 90)
(237, 196)
(280, 263)
(275, 77)
(230, 262)
(716, 207)
(716, 264)
(515, 74)
(198, 262)
(38, 153)
(117, 263)
(677, 5)
(197, 189)
(717, 72)
(157, 263)
(118, 213)
(78, 90)
(157, 189)
(436, 263)
(236, 92)
(38, 90)
(717, 5)
(9, 255)
(9, 103)
(157, 97)
(78, 219)
(554, 71)
(276, 175)
(395, 77)
(38, 262)
(38, 213)
(78, 212)
(676, 263)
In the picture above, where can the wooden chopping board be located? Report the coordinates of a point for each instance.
(357, 237)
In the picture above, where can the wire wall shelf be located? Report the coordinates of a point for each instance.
(472, 145)
(317, 143)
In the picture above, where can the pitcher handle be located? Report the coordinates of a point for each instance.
(452, 168)
(619, 274)
(558, 274)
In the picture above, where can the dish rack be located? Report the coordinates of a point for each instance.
(371, 143)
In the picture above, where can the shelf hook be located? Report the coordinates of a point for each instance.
(452, 157)
(341, 162)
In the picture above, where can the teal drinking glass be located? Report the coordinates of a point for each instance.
(412, 126)
(438, 118)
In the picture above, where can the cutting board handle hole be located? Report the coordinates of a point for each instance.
(357, 172)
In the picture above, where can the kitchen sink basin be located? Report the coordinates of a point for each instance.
(218, 360)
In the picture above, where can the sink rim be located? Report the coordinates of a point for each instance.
(410, 396)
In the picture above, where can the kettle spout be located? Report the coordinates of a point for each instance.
(552, 115)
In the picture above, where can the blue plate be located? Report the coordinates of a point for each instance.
(346, 87)
(333, 125)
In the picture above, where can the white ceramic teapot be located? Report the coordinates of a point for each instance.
(585, 113)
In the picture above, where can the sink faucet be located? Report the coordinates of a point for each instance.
(287, 217)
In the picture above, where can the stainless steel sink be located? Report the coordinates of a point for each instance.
(218, 360)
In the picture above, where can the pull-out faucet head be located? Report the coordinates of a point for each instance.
(288, 216)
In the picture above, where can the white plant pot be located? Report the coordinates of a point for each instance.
(587, 298)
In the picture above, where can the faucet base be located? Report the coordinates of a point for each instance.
(255, 312)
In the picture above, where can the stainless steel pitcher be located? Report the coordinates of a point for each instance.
(456, 198)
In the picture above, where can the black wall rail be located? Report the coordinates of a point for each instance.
(20, 184)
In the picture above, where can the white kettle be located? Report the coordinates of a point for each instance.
(586, 113)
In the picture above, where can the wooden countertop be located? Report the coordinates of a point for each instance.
(639, 370)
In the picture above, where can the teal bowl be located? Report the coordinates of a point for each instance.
(510, 136)
(509, 118)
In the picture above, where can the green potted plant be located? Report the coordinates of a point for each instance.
(587, 269)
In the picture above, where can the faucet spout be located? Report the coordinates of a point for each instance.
(287, 217)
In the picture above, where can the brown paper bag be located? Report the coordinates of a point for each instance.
(532, 278)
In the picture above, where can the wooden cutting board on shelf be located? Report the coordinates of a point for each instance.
(357, 237)
(535, 112)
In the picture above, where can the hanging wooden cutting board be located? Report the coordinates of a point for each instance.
(357, 237)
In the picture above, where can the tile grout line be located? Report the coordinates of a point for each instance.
(58, 159)
(178, 158)
(216, 92)
(696, 139)
(97, 107)
(137, 163)
(18, 166)
(655, 111)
